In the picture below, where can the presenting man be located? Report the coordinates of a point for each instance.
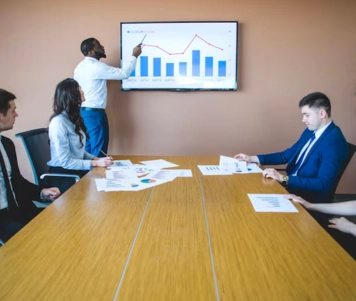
(91, 74)
(315, 161)
(16, 193)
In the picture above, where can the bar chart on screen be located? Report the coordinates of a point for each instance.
(193, 55)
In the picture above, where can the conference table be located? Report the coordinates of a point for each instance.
(194, 238)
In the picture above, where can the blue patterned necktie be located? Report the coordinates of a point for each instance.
(299, 162)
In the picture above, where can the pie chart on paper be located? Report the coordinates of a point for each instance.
(147, 181)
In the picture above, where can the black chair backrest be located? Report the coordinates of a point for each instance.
(352, 150)
(38, 151)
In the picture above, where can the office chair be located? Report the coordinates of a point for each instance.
(352, 150)
(36, 143)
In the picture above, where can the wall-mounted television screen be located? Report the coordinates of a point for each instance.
(182, 56)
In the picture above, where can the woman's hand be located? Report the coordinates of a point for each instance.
(300, 200)
(343, 225)
(102, 162)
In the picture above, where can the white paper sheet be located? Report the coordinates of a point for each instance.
(238, 167)
(142, 170)
(271, 203)
(212, 170)
(123, 172)
(233, 165)
(118, 163)
(160, 163)
(253, 168)
(185, 173)
(116, 185)
(144, 183)
(164, 174)
(100, 184)
(227, 164)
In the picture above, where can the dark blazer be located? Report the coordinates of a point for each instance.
(24, 190)
(318, 174)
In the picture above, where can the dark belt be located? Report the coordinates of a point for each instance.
(92, 109)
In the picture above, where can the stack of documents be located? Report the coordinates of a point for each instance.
(229, 166)
(125, 176)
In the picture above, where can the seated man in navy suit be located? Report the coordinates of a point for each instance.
(16, 193)
(315, 160)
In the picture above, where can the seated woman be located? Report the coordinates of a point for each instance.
(67, 135)
(334, 224)
(343, 208)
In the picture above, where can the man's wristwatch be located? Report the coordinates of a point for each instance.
(285, 180)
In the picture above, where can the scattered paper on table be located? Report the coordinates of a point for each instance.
(271, 203)
(121, 163)
(212, 170)
(144, 183)
(116, 185)
(164, 174)
(233, 165)
(184, 173)
(238, 167)
(122, 172)
(100, 184)
(142, 170)
(253, 168)
(160, 163)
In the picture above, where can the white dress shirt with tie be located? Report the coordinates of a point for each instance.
(317, 133)
(3, 196)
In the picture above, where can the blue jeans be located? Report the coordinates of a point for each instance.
(98, 130)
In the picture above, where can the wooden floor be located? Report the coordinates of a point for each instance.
(190, 239)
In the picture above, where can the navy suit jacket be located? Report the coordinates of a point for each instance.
(24, 190)
(318, 174)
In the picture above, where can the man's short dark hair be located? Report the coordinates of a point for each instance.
(5, 98)
(87, 45)
(317, 100)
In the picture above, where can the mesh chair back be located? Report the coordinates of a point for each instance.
(37, 148)
(352, 150)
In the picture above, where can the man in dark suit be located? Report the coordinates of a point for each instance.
(315, 160)
(16, 193)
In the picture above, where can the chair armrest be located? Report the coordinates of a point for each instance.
(76, 177)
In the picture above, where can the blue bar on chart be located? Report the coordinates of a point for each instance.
(209, 66)
(222, 68)
(196, 63)
(156, 66)
(144, 65)
(133, 73)
(182, 69)
(169, 69)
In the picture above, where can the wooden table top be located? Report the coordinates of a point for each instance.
(193, 238)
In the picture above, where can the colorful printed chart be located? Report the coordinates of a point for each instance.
(147, 181)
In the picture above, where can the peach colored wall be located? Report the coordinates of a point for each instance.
(287, 49)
